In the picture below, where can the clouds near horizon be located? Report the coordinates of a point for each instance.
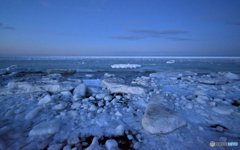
(136, 34)
(6, 27)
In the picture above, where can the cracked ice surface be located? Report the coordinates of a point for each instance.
(50, 111)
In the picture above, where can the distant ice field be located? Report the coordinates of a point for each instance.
(148, 64)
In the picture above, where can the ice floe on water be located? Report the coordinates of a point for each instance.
(162, 110)
(125, 66)
(170, 62)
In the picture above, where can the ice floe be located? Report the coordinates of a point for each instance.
(125, 66)
(121, 88)
(158, 119)
(45, 128)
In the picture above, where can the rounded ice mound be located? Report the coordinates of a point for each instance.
(232, 76)
(158, 119)
(224, 110)
(45, 128)
(126, 66)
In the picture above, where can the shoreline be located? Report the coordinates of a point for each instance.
(110, 109)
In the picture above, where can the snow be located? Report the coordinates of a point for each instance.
(45, 128)
(55, 147)
(73, 140)
(79, 92)
(108, 98)
(32, 114)
(108, 75)
(4, 130)
(202, 99)
(2, 144)
(15, 68)
(170, 62)
(158, 110)
(119, 131)
(125, 66)
(231, 76)
(93, 82)
(121, 88)
(42, 85)
(46, 99)
(224, 110)
(158, 119)
(111, 144)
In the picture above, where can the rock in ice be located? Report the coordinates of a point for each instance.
(125, 66)
(46, 127)
(158, 119)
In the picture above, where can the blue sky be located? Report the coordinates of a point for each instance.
(120, 27)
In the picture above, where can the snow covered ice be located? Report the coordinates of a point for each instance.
(112, 110)
(125, 66)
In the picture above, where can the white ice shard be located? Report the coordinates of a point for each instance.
(231, 76)
(101, 96)
(80, 90)
(15, 68)
(170, 62)
(109, 75)
(125, 66)
(119, 131)
(46, 99)
(111, 144)
(45, 128)
(158, 119)
(202, 99)
(121, 88)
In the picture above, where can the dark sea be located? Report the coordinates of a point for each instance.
(103, 64)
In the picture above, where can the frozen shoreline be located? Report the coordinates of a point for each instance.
(54, 111)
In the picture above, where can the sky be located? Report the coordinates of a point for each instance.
(120, 27)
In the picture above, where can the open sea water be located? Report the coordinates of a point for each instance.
(148, 64)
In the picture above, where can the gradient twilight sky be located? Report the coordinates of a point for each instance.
(120, 27)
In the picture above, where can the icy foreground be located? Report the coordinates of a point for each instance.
(165, 110)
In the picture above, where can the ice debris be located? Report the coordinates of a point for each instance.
(45, 128)
(121, 88)
(158, 119)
